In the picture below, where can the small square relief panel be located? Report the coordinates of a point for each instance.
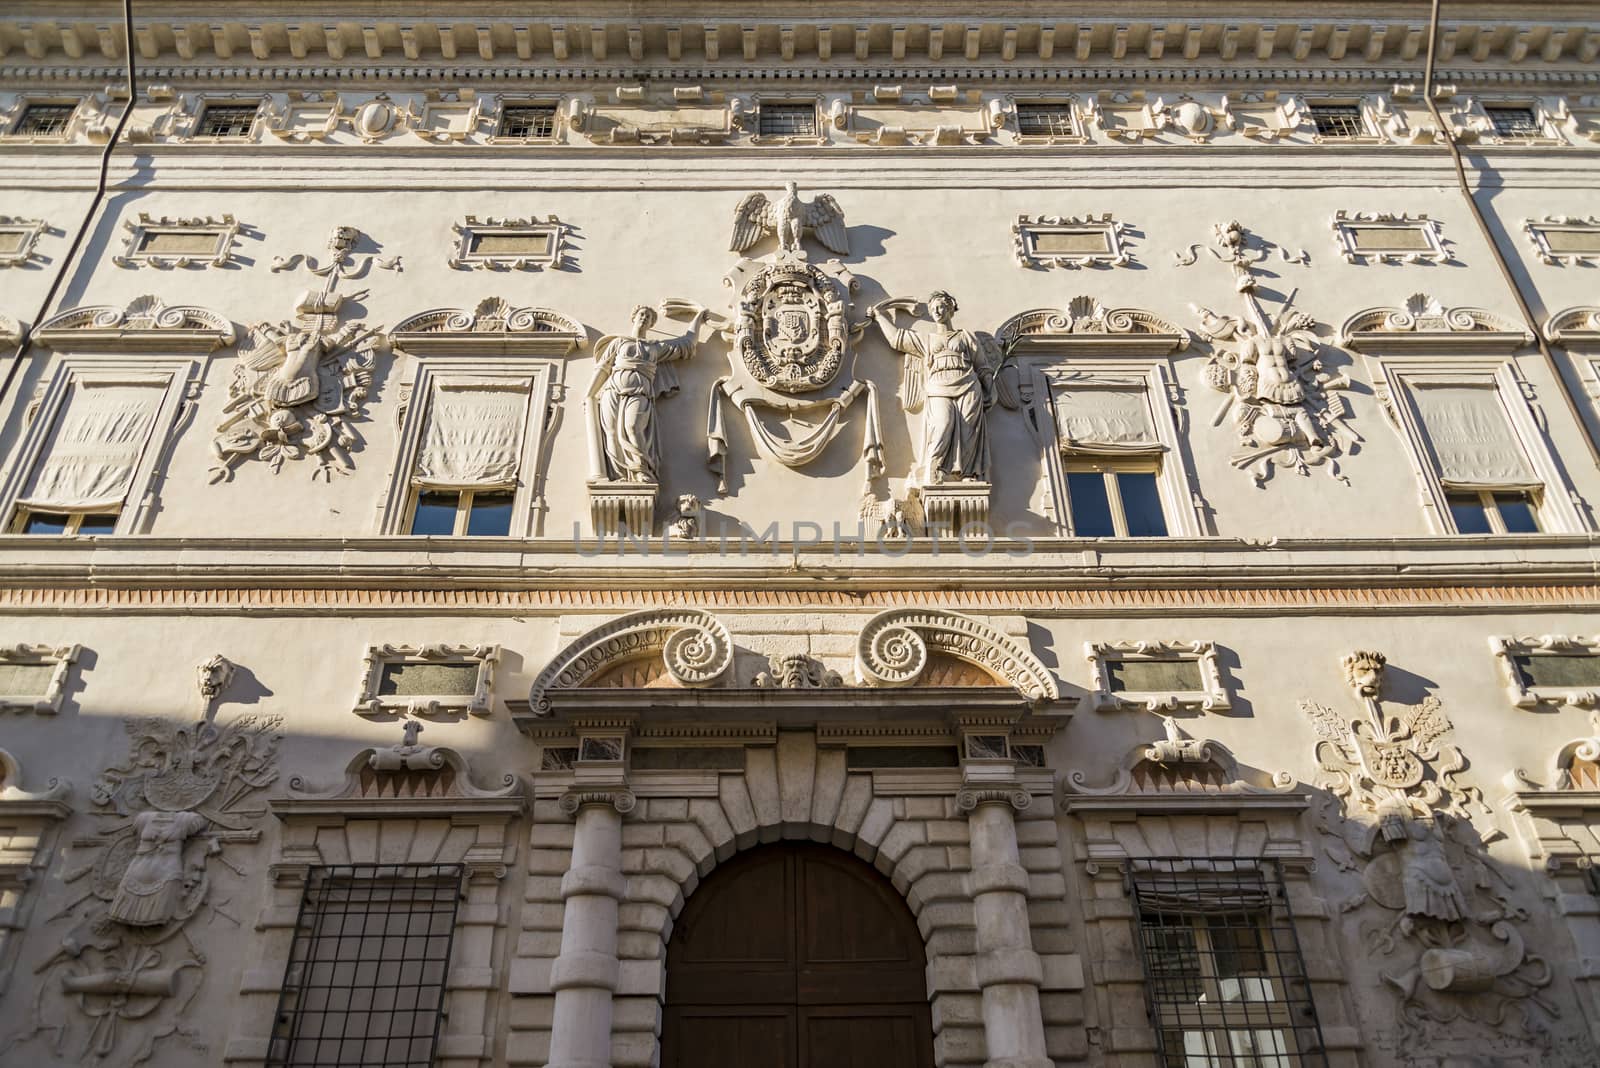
(1155, 676)
(428, 680)
(33, 678)
(1045, 241)
(1565, 240)
(17, 240)
(1550, 670)
(1365, 237)
(168, 242)
(509, 244)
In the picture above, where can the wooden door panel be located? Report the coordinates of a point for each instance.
(845, 919)
(865, 1036)
(743, 1037)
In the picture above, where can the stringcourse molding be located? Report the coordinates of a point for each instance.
(694, 645)
(894, 645)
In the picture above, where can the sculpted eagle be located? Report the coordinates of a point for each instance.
(790, 217)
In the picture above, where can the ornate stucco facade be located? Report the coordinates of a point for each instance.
(1118, 485)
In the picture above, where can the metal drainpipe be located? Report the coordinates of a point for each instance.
(1532, 324)
(26, 342)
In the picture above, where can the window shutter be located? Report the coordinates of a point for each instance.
(1102, 421)
(474, 436)
(90, 460)
(1471, 437)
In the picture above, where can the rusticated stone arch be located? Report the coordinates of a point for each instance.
(798, 790)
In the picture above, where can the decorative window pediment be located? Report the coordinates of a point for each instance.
(1070, 241)
(172, 242)
(494, 327)
(145, 325)
(510, 244)
(33, 678)
(1180, 772)
(1555, 669)
(1382, 237)
(411, 781)
(693, 646)
(1425, 326)
(1155, 676)
(1575, 327)
(1087, 326)
(18, 239)
(428, 680)
(1567, 240)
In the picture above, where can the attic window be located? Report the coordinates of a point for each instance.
(1515, 122)
(788, 120)
(1046, 120)
(528, 122)
(227, 120)
(44, 120)
(1338, 121)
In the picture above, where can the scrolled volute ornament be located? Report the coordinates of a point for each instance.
(698, 655)
(970, 797)
(620, 798)
(891, 655)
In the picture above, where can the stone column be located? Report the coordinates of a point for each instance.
(584, 977)
(1009, 972)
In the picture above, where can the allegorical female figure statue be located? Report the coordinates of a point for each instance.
(633, 374)
(948, 372)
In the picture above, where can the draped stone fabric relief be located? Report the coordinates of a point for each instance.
(90, 461)
(1471, 438)
(474, 436)
(1102, 420)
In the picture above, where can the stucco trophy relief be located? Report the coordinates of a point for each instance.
(952, 376)
(298, 385)
(1437, 917)
(1276, 387)
(633, 373)
(126, 973)
(791, 373)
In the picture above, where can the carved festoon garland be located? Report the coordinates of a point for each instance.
(128, 969)
(298, 386)
(1271, 373)
(1437, 918)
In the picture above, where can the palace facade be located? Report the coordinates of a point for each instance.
(614, 535)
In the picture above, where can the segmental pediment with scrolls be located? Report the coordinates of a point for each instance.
(1425, 326)
(493, 327)
(1575, 328)
(1180, 773)
(146, 324)
(1085, 325)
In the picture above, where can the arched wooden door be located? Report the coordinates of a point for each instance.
(796, 956)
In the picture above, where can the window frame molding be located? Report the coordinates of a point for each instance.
(225, 229)
(369, 702)
(1212, 696)
(495, 115)
(1538, 229)
(464, 257)
(177, 376)
(186, 127)
(1026, 229)
(27, 251)
(1084, 112)
(1345, 224)
(1507, 648)
(11, 118)
(745, 113)
(1393, 378)
(60, 658)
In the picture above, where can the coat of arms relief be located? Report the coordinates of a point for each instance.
(1444, 924)
(126, 973)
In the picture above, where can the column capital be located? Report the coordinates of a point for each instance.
(968, 798)
(618, 797)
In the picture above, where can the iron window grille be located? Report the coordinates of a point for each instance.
(528, 122)
(788, 120)
(365, 983)
(1515, 122)
(44, 120)
(227, 120)
(1046, 120)
(1338, 120)
(1225, 982)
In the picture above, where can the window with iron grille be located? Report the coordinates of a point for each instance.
(1046, 120)
(528, 121)
(1338, 120)
(366, 975)
(226, 120)
(788, 120)
(1225, 981)
(44, 120)
(1515, 122)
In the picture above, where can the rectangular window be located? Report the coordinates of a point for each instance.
(467, 471)
(1224, 977)
(44, 120)
(426, 680)
(528, 122)
(1488, 512)
(1490, 486)
(1154, 676)
(1565, 670)
(1046, 120)
(788, 120)
(366, 976)
(226, 120)
(412, 680)
(1514, 121)
(1338, 121)
(466, 512)
(31, 522)
(1110, 501)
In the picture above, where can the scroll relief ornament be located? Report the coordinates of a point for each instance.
(1277, 389)
(126, 973)
(1436, 915)
(299, 385)
(791, 372)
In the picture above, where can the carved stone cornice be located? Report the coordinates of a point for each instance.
(145, 325)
